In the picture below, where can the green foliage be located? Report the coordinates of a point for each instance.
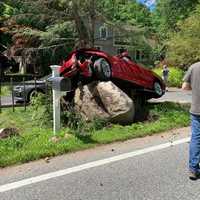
(79, 125)
(183, 46)
(169, 12)
(165, 21)
(41, 110)
(130, 12)
(35, 143)
(5, 11)
(175, 76)
(5, 91)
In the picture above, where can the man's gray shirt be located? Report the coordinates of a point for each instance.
(193, 78)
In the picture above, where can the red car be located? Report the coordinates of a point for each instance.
(86, 65)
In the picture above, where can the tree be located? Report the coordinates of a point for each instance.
(53, 23)
(169, 12)
(183, 46)
(77, 16)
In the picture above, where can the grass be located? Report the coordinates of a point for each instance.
(35, 143)
(5, 91)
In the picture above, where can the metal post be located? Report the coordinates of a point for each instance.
(56, 101)
(35, 83)
(24, 93)
(13, 102)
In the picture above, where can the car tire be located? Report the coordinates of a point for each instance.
(157, 89)
(102, 69)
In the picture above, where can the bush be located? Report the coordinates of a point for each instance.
(5, 91)
(78, 125)
(175, 76)
(42, 112)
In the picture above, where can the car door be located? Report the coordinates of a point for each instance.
(123, 70)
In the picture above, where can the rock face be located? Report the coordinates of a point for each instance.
(106, 101)
(8, 132)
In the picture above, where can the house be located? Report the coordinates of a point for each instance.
(115, 41)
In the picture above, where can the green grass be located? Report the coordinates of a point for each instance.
(5, 91)
(34, 142)
(175, 76)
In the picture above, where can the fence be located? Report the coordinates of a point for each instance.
(17, 90)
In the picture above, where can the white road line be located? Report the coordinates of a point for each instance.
(44, 177)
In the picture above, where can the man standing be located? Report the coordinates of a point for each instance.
(191, 81)
(165, 74)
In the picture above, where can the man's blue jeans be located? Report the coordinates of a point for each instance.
(194, 152)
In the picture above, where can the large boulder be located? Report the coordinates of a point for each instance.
(104, 100)
(88, 103)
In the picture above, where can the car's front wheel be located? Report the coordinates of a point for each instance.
(102, 69)
(158, 89)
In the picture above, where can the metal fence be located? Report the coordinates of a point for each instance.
(20, 89)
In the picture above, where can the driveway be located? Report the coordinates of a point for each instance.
(176, 95)
(7, 101)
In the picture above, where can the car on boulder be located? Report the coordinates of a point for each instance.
(88, 65)
(140, 84)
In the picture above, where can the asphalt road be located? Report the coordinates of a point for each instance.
(175, 95)
(159, 174)
(7, 100)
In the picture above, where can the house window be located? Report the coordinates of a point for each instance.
(103, 32)
(121, 50)
(139, 55)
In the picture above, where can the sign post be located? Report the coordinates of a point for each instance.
(56, 101)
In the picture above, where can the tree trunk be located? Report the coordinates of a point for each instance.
(84, 40)
(92, 22)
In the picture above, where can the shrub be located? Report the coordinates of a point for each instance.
(79, 125)
(42, 112)
(175, 76)
(5, 91)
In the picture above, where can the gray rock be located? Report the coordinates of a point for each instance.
(118, 104)
(104, 100)
(8, 132)
(88, 103)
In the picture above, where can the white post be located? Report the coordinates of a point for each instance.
(56, 101)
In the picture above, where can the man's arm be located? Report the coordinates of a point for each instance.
(187, 80)
(186, 86)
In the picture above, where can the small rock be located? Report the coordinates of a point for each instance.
(8, 132)
(67, 135)
(101, 184)
(112, 150)
(55, 139)
(47, 159)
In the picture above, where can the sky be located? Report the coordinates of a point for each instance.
(149, 3)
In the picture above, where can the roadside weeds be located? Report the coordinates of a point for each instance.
(35, 143)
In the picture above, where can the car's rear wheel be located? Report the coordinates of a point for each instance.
(157, 88)
(102, 69)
